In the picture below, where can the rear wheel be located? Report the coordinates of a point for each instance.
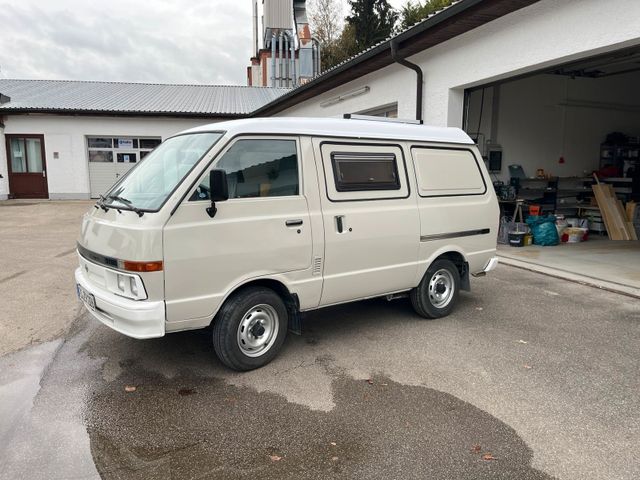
(250, 328)
(437, 293)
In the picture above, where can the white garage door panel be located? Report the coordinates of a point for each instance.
(103, 175)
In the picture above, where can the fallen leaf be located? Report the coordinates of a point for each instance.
(275, 458)
(129, 388)
(476, 449)
(334, 444)
(523, 341)
(186, 391)
(488, 457)
(369, 381)
(384, 384)
(334, 459)
(528, 367)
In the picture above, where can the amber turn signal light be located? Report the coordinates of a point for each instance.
(142, 266)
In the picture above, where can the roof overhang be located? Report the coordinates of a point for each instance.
(449, 23)
(117, 113)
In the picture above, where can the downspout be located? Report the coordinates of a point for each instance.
(398, 59)
(273, 60)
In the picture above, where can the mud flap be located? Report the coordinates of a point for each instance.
(465, 283)
(295, 316)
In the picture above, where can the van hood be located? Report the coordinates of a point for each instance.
(124, 236)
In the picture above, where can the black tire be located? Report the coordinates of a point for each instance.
(244, 307)
(423, 301)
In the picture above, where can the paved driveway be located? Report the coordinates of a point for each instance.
(37, 254)
(531, 378)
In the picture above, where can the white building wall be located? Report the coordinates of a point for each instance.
(539, 36)
(68, 175)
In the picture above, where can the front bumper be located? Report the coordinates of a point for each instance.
(134, 318)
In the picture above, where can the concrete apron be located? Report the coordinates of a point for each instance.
(566, 274)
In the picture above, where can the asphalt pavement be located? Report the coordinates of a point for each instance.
(531, 377)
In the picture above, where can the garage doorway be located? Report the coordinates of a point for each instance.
(545, 134)
(26, 166)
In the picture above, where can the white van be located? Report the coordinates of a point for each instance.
(246, 224)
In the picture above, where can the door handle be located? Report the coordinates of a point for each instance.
(293, 223)
(340, 223)
(44, 173)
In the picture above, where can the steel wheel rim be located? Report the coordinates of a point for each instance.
(258, 330)
(441, 288)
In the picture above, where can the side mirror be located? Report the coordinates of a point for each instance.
(219, 190)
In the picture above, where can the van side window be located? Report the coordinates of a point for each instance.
(355, 172)
(257, 168)
(358, 170)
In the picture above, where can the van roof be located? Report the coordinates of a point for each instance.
(338, 127)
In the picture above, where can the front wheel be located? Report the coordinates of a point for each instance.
(250, 328)
(437, 293)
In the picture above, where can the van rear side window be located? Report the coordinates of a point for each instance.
(447, 172)
(355, 172)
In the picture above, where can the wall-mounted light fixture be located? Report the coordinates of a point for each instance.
(345, 96)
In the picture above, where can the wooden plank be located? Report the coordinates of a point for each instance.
(631, 208)
(603, 205)
(619, 216)
(612, 213)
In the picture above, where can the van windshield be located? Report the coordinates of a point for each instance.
(149, 184)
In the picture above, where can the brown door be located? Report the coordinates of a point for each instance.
(27, 166)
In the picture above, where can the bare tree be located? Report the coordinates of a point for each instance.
(326, 18)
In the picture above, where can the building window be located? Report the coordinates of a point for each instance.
(354, 172)
(120, 149)
(388, 111)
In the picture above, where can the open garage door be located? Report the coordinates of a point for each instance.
(544, 135)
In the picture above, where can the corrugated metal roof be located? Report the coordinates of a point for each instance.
(133, 98)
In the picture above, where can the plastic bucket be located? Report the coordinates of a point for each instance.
(516, 239)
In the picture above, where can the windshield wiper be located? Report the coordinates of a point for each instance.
(100, 204)
(127, 202)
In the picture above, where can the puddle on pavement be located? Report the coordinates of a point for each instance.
(189, 426)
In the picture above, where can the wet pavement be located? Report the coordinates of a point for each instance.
(519, 383)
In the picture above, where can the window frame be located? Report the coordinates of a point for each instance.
(364, 187)
(405, 185)
(382, 111)
(188, 198)
(461, 148)
(115, 150)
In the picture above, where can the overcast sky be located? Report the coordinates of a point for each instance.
(163, 41)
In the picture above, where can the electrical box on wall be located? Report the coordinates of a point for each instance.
(494, 158)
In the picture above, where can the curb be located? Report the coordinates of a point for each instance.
(572, 277)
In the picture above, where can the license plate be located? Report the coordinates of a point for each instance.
(87, 298)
